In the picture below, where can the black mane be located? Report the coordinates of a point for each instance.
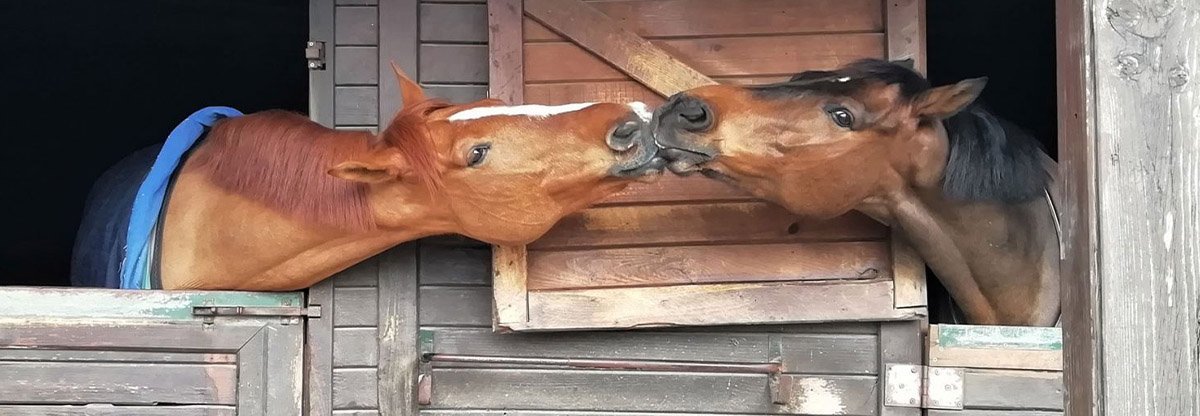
(990, 159)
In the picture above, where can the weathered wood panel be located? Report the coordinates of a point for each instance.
(454, 23)
(355, 347)
(356, 306)
(441, 63)
(1147, 176)
(742, 222)
(356, 105)
(734, 56)
(397, 336)
(127, 383)
(22, 333)
(696, 18)
(900, 343)
(108, 410)
(456, 306)
(355, 388)
(662, 266)
(448, 265)
(976, 412)
(831, 354)
(639, 345)
(358, 26)
(999, 389)
(363, 274)
(118, 356)
(457, 93)
(318, 348)
(356, 65)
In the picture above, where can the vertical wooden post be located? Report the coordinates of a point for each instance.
(398, 331)
(906, 31)
(506, 58)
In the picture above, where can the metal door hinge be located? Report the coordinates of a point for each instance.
(291, 314)
(909, 385)
(314, 52)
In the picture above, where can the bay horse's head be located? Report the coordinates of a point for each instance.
(823, 142)
(497, 173)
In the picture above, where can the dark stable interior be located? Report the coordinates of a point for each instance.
(87, 83)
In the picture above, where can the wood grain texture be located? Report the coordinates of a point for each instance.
(604, 37)
(906, 31)
(742, 222)
(456, 306)
(321, 82)
(748, 303)
(633, 345)
(908, 270)
(107, 410)
(356, 65)
(23, 333)
(457, 93)
(510, 285)
(506, 57)
(140, 383)
(454, 23)
(357, 26)
(830, 353)
(1148, 201)
(899, 343)
(726, 56)
(399, 43)
(1014, 358)
(365, 274)
(1077, 210)
(319, 351)
(662, 266)
(118, 356)
(355, 388)
(454, 64)
(355, 347)
(1023, 390)
(629, 91)
(977, 412)
(355, 306)
(694, 18)
(397, 335)
(356, 106)
(450, 265)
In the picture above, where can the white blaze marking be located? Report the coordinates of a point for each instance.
(531, 110)
(642, 110)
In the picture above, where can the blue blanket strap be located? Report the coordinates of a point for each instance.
(135, 266)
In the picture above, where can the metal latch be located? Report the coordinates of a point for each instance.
(908, 385)
(209, 313)
(314, 52)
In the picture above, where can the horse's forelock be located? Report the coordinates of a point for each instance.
(409, 133)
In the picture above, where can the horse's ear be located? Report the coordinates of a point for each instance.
(410, 92)
(907, 63)
(374, 168)
(945, 101)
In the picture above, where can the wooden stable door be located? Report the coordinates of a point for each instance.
(690, 250)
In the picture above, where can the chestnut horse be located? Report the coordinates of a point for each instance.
(969, 191)
(273, 201)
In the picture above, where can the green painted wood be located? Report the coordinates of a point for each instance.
(45, 303)
(1000, 337)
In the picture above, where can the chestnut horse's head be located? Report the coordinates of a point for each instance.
(497, 173)
(825, 141)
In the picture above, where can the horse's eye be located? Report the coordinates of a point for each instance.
(842, 117)
(478, 153)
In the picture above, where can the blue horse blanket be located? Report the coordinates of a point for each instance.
(117, 243)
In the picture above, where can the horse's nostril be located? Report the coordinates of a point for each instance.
(627, 130)
(622, 138)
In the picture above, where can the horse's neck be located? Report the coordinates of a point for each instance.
(214, 239)
(999, 261)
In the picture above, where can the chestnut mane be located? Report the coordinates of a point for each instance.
(281, 159)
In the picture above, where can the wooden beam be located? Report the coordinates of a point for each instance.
(628, 52)
(1077, 213)
(906, 31)
(398, 42)
(510, 271)
(506, 59)
(397, 336)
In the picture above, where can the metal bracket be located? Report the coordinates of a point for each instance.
(314, 52)
(290, 314)
(918, 386)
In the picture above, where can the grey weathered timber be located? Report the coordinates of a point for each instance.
(1147, 175)
(356, 105)
(356, 65)
(1014, 390)
(447, 63)
(321, 81)
(397, 368)
(355, 347)
(127, 383)
(107, 410)
(355, 388)
(356, 26)
(976, 412)
(456, 306)
(450, 265)
(319, 348)
(454, 23)
(899, 343)
(356, 306)
(398, 41)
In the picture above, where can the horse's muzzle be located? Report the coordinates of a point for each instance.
(634, 140)
(680, 117)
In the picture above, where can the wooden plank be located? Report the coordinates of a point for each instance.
(899, 343)
(357, 2)
(742, 222)
(628, 91)
(831, 354)
(319, 350)
(728, 304)
(123, 305)
(672, 188)
(456, 306)
(284, 368)
(475, 412)
(457, 93)
(908, 271)
(972, 346)
(252, 377)
(61, 334)
(356, 65)
(633, 345)
(355, 347)
(906, 31)
(398, 331)
(355, 388)
(357, 26)
(454, 23)
(109, 410)
(688, 18)
(356, 412)
(509, 280)
(320, 82)
(662, 266)
(118, 356)
(726, 56)
(454, 64)
(362, 274)
(398, 39)
(1148, 201)
(606, 38)
(124, 383)
(976, 412)
(1025, 390)
(506, 56)
(448, 265)
(645, 391)
(356, 306)
(356, 106)
(1077, 208)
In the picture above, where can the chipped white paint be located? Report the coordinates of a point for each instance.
(818, 397)
(530, 110)
(642, 110)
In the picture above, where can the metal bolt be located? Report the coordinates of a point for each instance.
(914, 370)
(912, 401)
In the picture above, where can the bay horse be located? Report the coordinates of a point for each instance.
(971, 192)
(272, 201)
